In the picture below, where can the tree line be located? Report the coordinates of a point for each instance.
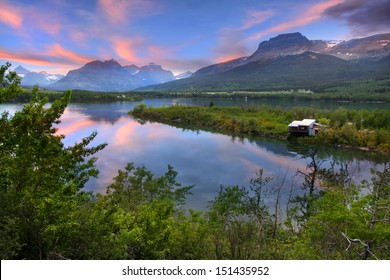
(78, 96)
(46, 214)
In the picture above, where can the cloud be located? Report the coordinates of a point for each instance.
(76, 126)
(52, 23)
(63, 56)
(114, 10)
(54, 56)
(123, 11)
(231, 43)
(127, 49)
(141, 51)
(310, 15)
(256, 17)
(24, 57)
(363, 17)
(10, 15)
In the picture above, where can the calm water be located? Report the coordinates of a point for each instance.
(206, 160)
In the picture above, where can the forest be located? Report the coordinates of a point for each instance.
(46, 214)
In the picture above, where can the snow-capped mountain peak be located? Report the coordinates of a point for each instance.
(30, 78)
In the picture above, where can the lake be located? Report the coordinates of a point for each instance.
(203, 159)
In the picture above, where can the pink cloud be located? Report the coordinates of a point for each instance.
(125, 134)
(312, 14)
(161, 132)
(114, 10)
(59, 53)
(122, 11)
(55, 56)
(48, 24)
(139, 51)
(30, 17)
(10, 16)
(256, 17)
(75, 126)
(127, 48)
(25, 58)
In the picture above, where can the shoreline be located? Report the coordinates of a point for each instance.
(264, 121)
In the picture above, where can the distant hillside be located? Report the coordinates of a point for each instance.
(42, 78)
(291, 61)
(109, 75)
(307, 70)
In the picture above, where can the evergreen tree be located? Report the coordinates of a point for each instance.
(40, 178)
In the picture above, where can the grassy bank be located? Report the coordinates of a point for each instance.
(352, 128)
(235, 120)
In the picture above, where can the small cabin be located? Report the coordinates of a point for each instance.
(303, 127)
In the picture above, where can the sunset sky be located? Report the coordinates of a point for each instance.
(60, 35)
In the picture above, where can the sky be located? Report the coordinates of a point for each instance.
(60, 35)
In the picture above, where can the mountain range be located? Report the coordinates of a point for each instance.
(42, 78)
(291, 61)
(98, 75)
(109, 75)
(287, 61)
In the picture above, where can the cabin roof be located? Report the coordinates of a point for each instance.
(304, 122)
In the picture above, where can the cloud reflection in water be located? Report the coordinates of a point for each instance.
(203, 159)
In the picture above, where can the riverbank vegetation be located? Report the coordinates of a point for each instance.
(352, 128)
(360, 91)
(46, 214)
